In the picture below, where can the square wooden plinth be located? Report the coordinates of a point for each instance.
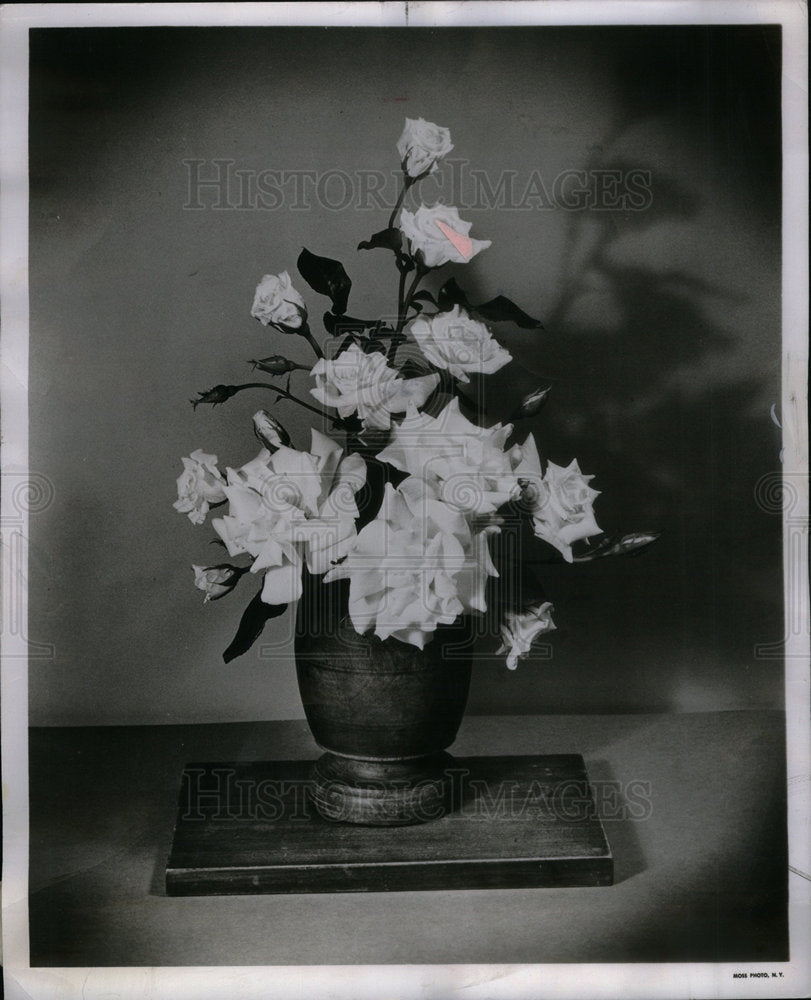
(517, 822)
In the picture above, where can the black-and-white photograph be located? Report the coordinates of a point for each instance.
(405, 510)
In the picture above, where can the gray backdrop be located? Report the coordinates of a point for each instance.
(662, 336)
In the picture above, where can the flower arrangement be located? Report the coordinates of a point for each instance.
(411, 508)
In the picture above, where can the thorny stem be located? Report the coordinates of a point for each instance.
(286, 394)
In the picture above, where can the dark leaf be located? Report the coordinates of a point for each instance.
(451, 295)
(412, 368)
(251, 625)
(424, 296)
(370, 495)
(501, 309)
(386, 239)
(351, 424)
(497, 310)
(472, 406)
(327, 277)
(336, 326)
(346, 343)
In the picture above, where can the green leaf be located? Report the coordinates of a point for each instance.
(327, 277)
(386, 239)
(251, 625)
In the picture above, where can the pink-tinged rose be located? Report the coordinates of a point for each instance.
(416, 566)
(356, 382)
(277, 303)
(465, 463)
(421, 145)
(456, 343)
(216, 581)
(428, 229)
(199, 486)
(520, 629)
(289, 507)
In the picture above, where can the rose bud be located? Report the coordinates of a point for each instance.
(216, 581)
(520, 630)
(530, 404)
(270, 432)
(218, 394)
(276, 365)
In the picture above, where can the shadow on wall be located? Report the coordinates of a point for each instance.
(663, 351)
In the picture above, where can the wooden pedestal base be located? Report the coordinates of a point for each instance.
(383, 793)
(513, 822)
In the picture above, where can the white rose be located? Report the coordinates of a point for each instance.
(458, 344)
(289, 506)
(199, 486)
(520, 630)
(410, 569)
(563, 511)
(467, 464)
(276, 302)
(440, 234)
(363, 383)
(421, 145)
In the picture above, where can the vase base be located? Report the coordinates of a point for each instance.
(517, 823)
(383, 793)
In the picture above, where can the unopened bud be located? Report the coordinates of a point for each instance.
(218, 394)
(531, 404)
(216, 581)
(270, 432)
(275, 365)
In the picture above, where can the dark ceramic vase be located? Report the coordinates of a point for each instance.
(382, 710)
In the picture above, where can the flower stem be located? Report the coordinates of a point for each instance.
(286, 394)
(312, 342)
(401, 295)
(419, 275)
(398, 205)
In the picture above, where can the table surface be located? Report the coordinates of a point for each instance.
(693, 806)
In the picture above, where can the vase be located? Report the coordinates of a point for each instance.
(382, 710)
